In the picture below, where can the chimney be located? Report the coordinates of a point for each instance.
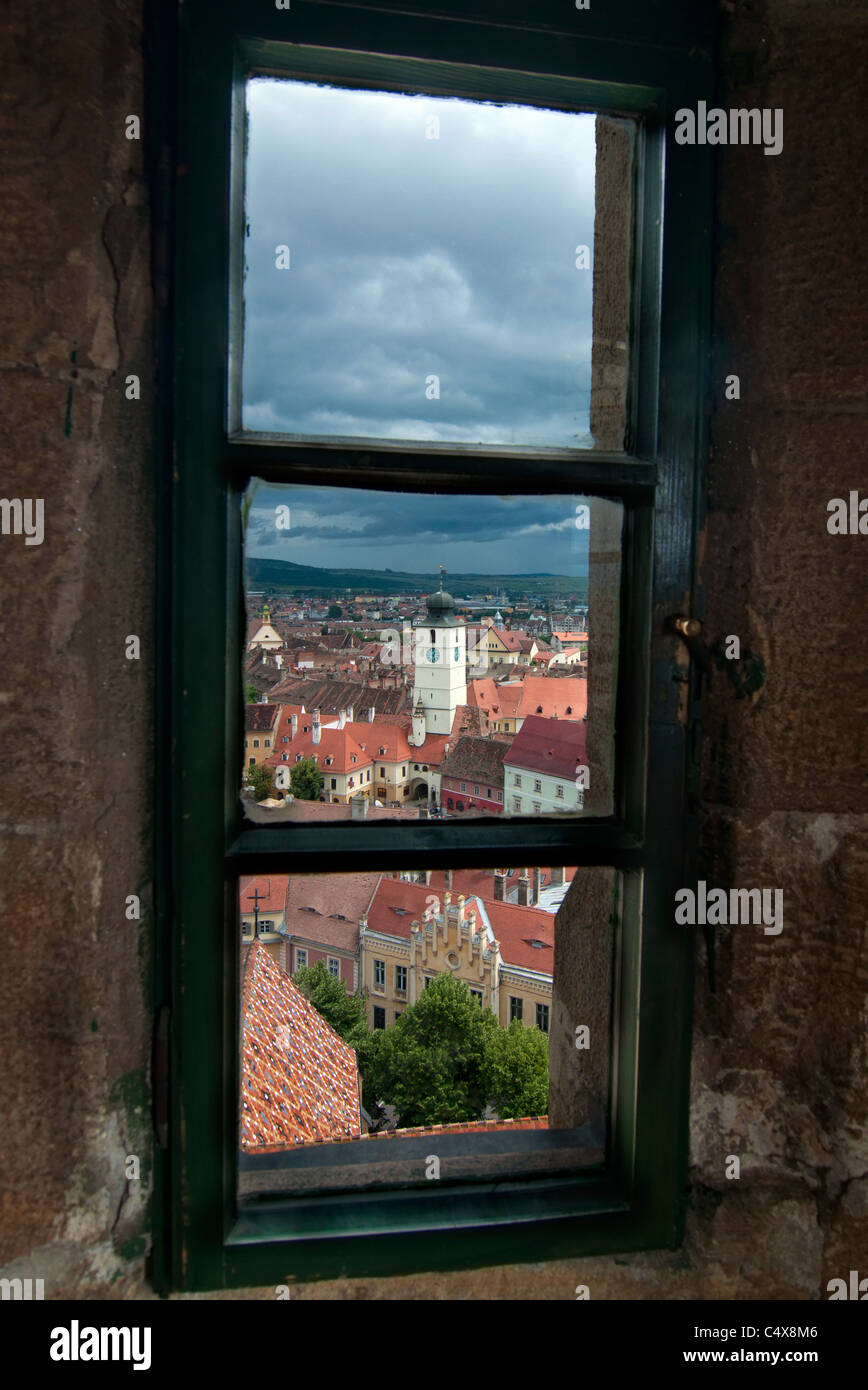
(558, 878)
(342, 718)
(350, 714)
(293, 725)
(316, 728)
(523, 898)
(371, 713)
(499, 883)
(537, 886)
(447, 878)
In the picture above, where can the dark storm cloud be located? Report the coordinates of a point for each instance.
(348, 527)
(412, 257)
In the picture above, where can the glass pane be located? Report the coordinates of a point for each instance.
(376, 1005)
(425, 655)
(425, 269)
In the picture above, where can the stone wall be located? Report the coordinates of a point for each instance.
(779, 1056)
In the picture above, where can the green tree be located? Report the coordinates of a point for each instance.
(251, 694)
(430, 1066)
(335, 610)
(305, 780)
(344, 1012)
(515, 1073)
(261, 778)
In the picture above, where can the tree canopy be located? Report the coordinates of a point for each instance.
(515, 1073)
(305, 780)
(261, 778)
(431, 1064)
(344, 1012)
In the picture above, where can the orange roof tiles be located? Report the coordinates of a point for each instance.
(565, 698)
(299, 1080)
(272, 889)
(373, 737)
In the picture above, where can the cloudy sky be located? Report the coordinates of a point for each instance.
(412, 257)
(348, 527)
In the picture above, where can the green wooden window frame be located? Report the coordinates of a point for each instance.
(644, 58)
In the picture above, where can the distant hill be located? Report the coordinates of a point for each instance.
(286, 576)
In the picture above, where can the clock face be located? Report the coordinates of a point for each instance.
(433, 654)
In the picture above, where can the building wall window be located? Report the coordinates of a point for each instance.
(516, 780)
(559, 792)
(379, 1017)
(300, 957)
(379, 974)
(516, 803)
(516, 1008)
(401, 977)
(334, 967)
(542, 1017)
(476, 994)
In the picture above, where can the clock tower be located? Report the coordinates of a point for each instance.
(440, 677)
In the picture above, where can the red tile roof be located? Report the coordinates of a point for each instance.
(460, 1127)
(259, 719)
(565, 698)
(498, 701)
(337, 900)
(371, 737)
(552, 746)
(272, 889)
(433, 749)
(511, 639)
(337, 744)
(514, 927)
(479, 883)
(299, 1080)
